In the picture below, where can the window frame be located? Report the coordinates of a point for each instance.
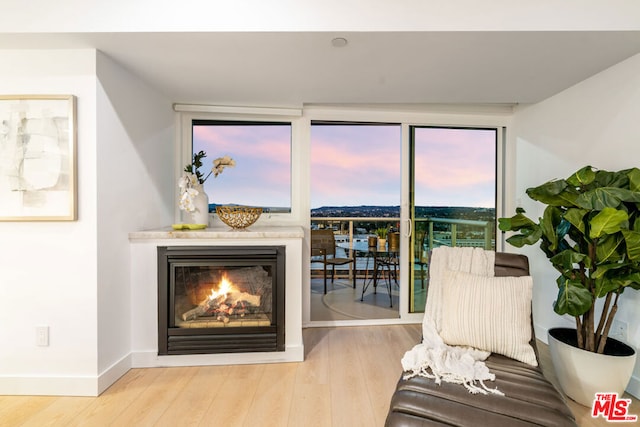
(184, 144)
(497, 196)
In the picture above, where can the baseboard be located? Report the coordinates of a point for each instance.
(64, 386)
(48, 386)
(634, 387)
(113, 373)
(540, 333)
(150, 359)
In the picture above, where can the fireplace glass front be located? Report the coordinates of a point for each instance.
(220, 299)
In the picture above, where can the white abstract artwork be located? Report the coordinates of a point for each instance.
(37, 158)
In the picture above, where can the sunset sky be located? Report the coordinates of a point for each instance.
(455, 167)
(351, 165)
(355, 165)
(360, 165)
(262, 174)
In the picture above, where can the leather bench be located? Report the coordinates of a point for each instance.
(529, 398)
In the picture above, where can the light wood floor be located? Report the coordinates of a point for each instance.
(347, 379)
(342, 302)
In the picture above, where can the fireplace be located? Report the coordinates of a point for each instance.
(221, 299)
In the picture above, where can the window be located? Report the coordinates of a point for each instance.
(453, 195)
(262, 151)
(355, 169)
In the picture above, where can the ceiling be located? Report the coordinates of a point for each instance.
(298, 68)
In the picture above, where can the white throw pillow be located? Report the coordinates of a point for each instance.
(488, 313)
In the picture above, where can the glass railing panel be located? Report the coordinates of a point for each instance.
(430, 233)
(350, 231)
(427, 234)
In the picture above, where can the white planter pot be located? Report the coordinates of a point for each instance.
(582, 374)
(201, 202)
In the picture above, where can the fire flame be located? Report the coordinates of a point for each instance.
(224, 287)
(223, 302)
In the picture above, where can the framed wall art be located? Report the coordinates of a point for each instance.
(38, 158)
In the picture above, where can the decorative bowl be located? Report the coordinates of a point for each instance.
(238, 216)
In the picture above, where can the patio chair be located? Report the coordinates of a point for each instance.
(323, 243)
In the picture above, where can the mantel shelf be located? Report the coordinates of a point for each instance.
(253, 232)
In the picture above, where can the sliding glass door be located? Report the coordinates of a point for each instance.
(452, 196)
(355, 192)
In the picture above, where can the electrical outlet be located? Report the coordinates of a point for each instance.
(42, 336)
(619, 330)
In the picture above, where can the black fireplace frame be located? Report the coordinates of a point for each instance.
(174, 340)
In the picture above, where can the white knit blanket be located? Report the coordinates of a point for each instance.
(433, 358)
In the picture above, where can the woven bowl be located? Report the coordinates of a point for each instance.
(238, 216)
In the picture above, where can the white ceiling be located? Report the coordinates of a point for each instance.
(297, 68)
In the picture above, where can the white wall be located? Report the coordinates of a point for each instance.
(593, 123)
(75, 276)
(135, 150)
(48, 269)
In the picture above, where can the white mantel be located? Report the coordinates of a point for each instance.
(144, 271)
(224, 233)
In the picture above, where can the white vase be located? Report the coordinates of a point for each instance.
(582, 373)
(201, 203)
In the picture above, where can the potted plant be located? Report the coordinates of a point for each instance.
(382, 236)
(193, 198)
(590, 231)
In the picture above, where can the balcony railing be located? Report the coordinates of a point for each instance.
(439, 231)
(461, 232)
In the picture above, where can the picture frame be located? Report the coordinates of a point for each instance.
(38, 170)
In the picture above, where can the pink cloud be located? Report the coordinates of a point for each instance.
(353, 165)
(455, 167)
(263, 163)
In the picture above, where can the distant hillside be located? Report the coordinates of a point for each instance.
(459, 212)
(357, 211)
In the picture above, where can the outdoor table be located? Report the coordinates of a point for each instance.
(380, 257)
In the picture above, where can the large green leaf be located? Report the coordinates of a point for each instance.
(583, 177)
(515, 223)
(603, 269)
(631, 280)
(575, 217)
(608, 221)
(634, 222)
(605, 197)
(632, 241)
(573, 298)
(630, 196)
(611, 179)
(605, 285)
(544, 247)
(550, 220)
(610, 248)
(519, 240)
(566, 260)
(633, 277)
(555, 193)
(634, 179)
